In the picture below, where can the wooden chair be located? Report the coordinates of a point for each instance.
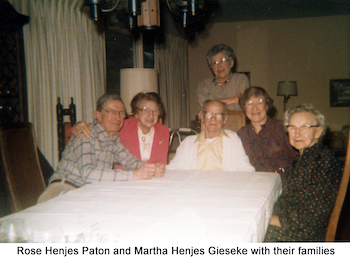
(21, 174)
(236, 120)
(63, 127)
(339, 222)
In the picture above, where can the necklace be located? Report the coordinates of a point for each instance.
(220, 84)
(144, 140)
(144, 137)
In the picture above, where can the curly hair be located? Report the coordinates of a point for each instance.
(254, 92)
(151, 96)
(217, 49)
(306, 108)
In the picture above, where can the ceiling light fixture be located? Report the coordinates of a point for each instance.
(139, 9)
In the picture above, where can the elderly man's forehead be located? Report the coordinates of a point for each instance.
(114, 103)
(214, 105)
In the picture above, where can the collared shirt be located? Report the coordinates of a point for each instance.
(210, 152)
(92, 159)
(269, 149)
(146, 141)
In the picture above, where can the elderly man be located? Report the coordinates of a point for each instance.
(92, 159)
(214, 149)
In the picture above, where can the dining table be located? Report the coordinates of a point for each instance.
(215, 207)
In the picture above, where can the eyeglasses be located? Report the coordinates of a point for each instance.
(113, 112)
(217, 62)
(147, 111)
(209, 115)
(260, 104)
(302, 130)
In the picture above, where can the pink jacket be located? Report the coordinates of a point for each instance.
(129, 136)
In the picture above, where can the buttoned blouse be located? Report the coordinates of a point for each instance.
(146, 141)
(209, 153)
(269, 149)
(309, 190)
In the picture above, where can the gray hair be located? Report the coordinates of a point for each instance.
(105, 98)
(308, 108)
(215, 100)
(217, 49)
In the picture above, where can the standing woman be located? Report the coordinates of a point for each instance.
(226, 86)
(264, 139)
(142, 134)
(309, 185)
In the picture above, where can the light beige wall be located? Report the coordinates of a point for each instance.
(310, 51)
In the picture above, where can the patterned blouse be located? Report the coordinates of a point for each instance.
(268, 150)
(310, 187)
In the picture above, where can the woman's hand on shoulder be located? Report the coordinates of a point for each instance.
(82, 128)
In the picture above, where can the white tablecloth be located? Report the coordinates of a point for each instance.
(183, 206)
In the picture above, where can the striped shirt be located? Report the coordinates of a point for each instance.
(92, 159)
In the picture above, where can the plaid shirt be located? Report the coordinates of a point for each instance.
(92, 159)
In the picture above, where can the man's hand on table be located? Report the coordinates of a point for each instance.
(148, 171)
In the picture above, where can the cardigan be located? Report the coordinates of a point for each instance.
(160, 146)
(234, 156)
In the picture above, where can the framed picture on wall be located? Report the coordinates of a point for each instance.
(340, 92)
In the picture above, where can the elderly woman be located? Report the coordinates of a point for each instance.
(310, 184)
(226, 86)
(264, 139)
(143, 135)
